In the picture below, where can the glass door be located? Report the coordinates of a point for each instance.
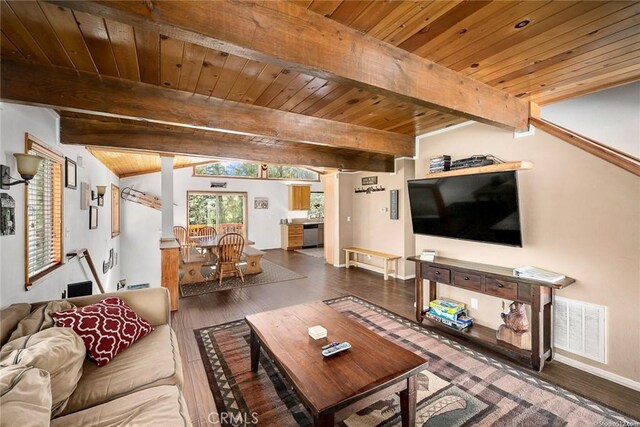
(226, 212)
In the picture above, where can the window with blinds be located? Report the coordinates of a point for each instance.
(44, 213)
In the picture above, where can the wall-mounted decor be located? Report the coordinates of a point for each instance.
(370, 180)
(93, 217)
(369, 190)
(115, 211)
(28, 165)
(7, 215)
(98, 195)
(70, 173)
(85, 196)
(261, 203)
(142, 198)
(393, 214)
(108, 264)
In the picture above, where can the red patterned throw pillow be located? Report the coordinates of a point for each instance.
(107, 327)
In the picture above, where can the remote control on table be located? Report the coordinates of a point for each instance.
(331, 344)
(336, 349)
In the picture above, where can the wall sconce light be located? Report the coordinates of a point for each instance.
(99, 194)
(28, 165)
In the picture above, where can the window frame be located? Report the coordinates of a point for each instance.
(199, 175)
(263, 172)
(266, 174)
(324, 201)
(244, 194)
(34, 144)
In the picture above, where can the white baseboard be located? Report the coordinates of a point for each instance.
(635, 385)
(340, 265)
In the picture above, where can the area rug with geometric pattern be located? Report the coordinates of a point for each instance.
(271, 273)
(460, 386)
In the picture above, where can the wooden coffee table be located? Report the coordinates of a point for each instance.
(335, 387)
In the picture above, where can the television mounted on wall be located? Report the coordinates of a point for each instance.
(479, 207)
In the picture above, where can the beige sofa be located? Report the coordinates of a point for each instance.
(142, 385)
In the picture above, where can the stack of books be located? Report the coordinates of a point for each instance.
(440, 164)
(450, 313)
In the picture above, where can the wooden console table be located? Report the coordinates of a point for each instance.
(499, 282)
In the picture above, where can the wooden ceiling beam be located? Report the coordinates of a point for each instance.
(287, 35)
(182, 141)
(70, 90)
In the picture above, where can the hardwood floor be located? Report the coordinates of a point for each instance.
(322, 282)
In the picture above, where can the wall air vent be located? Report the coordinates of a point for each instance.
(580, 328)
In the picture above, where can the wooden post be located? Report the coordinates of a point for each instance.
(408, 403)
(170, 262)
(419, 290)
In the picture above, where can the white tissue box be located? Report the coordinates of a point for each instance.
(317, 332)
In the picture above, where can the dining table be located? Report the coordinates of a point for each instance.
(210, 243)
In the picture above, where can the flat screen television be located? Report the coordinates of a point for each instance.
(481, 207)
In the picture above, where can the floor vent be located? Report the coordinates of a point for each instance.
(580, 328)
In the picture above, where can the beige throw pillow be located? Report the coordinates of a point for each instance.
(39, 319)
(25, 396)
(9, 319)
(59, 351)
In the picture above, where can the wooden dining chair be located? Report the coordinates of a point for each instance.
(180, 233)
(229, 251)
(207, 231)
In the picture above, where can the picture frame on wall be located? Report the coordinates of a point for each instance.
(85, 196)
(70, 173)
(93, 217)
(115, 211)
(261, 203)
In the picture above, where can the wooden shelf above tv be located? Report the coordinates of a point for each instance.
(500, 167)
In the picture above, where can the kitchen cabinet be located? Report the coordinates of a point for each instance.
(299, 197)
(292, 236)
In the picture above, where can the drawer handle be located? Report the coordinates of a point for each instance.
(500, 285)
(466, 277)
(437, 273)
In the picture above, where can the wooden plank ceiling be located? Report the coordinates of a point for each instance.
(128, 163)
(536, 51)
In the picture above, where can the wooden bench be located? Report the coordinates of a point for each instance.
(253, 257)
(386, 259)
(192, 261)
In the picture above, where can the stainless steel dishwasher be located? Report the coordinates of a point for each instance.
(310, 236)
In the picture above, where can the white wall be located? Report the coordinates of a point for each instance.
(371, 222)
(580, 217)
(141, 225)
(43, 124)
(611, 117)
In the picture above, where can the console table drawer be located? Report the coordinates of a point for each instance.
(469, 281)
(501, 288)
(436, 274)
